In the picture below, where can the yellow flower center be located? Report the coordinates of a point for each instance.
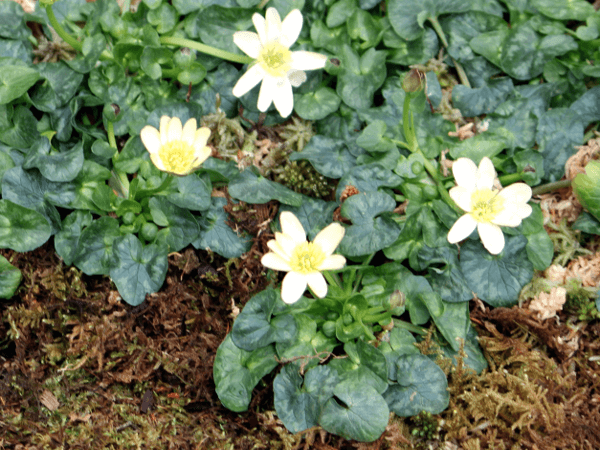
(486, 205)
(177, 156)
(275, 59)
(307, 258)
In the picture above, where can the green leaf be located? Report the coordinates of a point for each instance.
(356, 412)
(66, 241)
(55, 166)
(60, 85)
(95, 255)
(497, 280)
(22, 229)
(360, 77)
(330, 157)
(193, 192)
(237, 371)
(368, 178)
(12, 23)
(559, 130)
(23, 133)
(481, 100)
(540, 249)
(216, 235)
(15, 79)
(318, 104)
(254, 328)
(164, 18)
(179, 227)
(475, 358)
(587, 188)
(219, 81)
(454, 323)
(588, 106)
(587, 223)
(139, 270)
(10, 278)
(372, 226)
(339, 12)
(152, 58)
(445, 274)
(417, 51)
(251, 188)
(564, 9)
(477, 147)
(299, 401)
(422, 386)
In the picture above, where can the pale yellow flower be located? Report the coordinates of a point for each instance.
(304, 261)
(275, 65)
(175, 149)
(487, 208)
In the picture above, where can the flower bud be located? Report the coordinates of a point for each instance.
(413, 81)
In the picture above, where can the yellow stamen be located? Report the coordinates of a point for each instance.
(275, 59)
(307, 258)
(177, 156)
(486, 205)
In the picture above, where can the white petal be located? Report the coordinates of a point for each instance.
(296, 77)
(491, 237)
(291, 27)
(201, 155)
(275, 262)
(248, 42)
(292, 287)
(286, 244)
(174, 130)
(267, 91)
(272, 25)
(516, 193)
(461, 229)
(201, 136)
(507, 218)
(465, 173)
(150, 138)
(333, 262)
(330, 237)
(284, 98)
(259, 25)
(307, 60)
(486, 174)
(251, 78)
(462, 197)
(317, 283)
(164, 128)
(157, 161)
(523, 211)
(291, 226)
(189, 131)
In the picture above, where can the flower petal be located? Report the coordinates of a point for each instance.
(296, 77)
(465, 173)
(292, 287)
(330, 237)
(259, 25)
(302, 60)
(317, 283)
(491, 237)
(251, 78)
(189, 131)
(267, 92)
(291, 226)
(174, 130)
(201, 154)
(275, 262)
(151, 139)
(291, 27)
(157, 161)
(461, 229)
(462, 197)
(507, 218)
(201, 136)
(164, 128)
(333, 262)
(516, 193)
(248, 42)
(485, 174)
(285, 244)
(272, 25)
(283, 98)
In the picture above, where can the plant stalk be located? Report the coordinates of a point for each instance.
(182, 42)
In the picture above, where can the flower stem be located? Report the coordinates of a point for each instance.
(182, 42)
(61, 31)
(440, 32)
(332, 278)
(551, 187)
(360, 274)
(510, 178)
(110, 131)
(409, 327)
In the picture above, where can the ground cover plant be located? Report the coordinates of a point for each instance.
(287, 223)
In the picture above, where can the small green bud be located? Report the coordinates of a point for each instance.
(413, 81)
(149, 231)
(111, 112)
(329, 328)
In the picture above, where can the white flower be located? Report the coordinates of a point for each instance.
(304, 261)
(175, 149)
(275, 65)
(487, 209)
